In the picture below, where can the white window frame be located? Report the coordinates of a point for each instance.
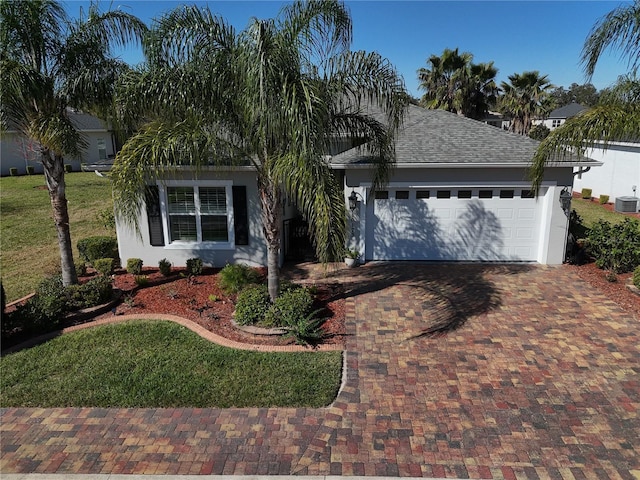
(198, 244)
(102, 148)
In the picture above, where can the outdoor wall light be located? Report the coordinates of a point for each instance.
(565, 200)
(353, 200)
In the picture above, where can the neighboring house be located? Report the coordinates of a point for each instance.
(619, 175)
(19, 152)
(496, 119)
(459, 192)
(560, 115)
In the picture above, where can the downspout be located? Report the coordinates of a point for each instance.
(581, 171)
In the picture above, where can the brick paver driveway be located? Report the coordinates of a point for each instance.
(462, 371)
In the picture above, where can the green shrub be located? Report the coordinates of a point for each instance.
(194, 266)
(141, 280)
(93, 248)
(13, 171)
(68, 168)
(636, 277)
(96, 291)
(539, 132)
(307, 330)
(586, 193)
(104, 266)
(107, 218)
(615, 247)
(576, 225)
(252, 305)
(289, 307)
(81, 269)
(234, 278)
(164, 266)
(603, 199)
(134, 266)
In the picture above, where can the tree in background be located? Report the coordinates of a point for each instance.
(524, 99)
(275, 96)
(617, 115)
(586, 95)
(47, 65)
(539, 132)
(455, 84)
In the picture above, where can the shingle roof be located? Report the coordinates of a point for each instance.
(440, 137)
(84, 121)
(567, 111)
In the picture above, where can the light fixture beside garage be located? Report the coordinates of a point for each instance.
(565, 201)
(353, 200)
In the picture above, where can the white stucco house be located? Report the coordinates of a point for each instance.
(619, 175)
(459, 192)
(560, 115)
(19, 152)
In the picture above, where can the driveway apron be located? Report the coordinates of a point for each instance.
(453, 371)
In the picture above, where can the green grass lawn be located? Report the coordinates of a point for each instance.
(591, 211)
(29, 249)
(161, 364)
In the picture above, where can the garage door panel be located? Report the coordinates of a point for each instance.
(495, 229)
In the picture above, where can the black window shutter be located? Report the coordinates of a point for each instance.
(240, 215)
(154, 216)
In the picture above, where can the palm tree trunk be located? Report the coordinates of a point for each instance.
(54, 176)
(271, 205)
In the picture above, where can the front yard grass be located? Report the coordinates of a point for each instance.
(154, 364)
(29, 250)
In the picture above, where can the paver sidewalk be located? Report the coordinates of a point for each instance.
(454, 371)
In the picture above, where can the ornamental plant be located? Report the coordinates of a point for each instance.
(615, 247)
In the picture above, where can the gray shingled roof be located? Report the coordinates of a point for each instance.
(84, 121)
(567, 111)
(440, 137)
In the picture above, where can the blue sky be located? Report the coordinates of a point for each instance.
(516, 35)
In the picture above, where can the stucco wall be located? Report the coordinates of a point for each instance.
(132, 245)
(617, 176)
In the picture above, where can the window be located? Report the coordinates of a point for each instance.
(402, 194)
(506, 193)
(556, 122)
(197, 214)
(464, 193)
(485, 193)
(382, 195)
(102, 148)
(443, 194)
(422, 194)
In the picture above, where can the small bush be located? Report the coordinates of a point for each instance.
(164, 266)
(234, 278)
(539, 132)
(636, 277)
(603, 199)
(93, 248)
(252, 305)
(586, 193)
(107, 218)
(307, 330)
(615, 247)
(104, 266)
(68, 168)
(134, 266)
(13, 171)
(289, 307)
(194, 266)
(81, 269)
(141, 280)
(95, 292)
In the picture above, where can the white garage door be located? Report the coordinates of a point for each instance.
(487, 224)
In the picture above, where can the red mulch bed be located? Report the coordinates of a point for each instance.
(616, 291)
(201, 300)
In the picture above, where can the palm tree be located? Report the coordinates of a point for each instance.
(523, 99)
(274, 95)
(455, 84)
(49, 64)
(617, 115)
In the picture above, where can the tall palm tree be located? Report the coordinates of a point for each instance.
(274, 95)
(455, 84)
(524, 99)
(47, 65)
(617, 115)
